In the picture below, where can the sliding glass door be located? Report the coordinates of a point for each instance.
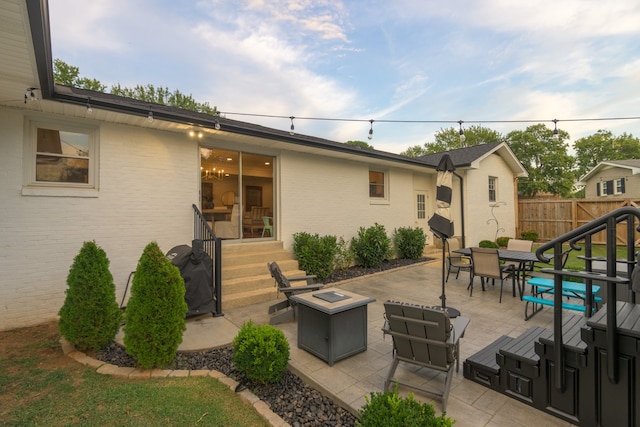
(237, 193)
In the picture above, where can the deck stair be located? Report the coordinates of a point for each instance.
(245, 277)
(586, 370)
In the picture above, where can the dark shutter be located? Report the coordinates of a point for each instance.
(610, 188)
(622, 185)
(598, 189)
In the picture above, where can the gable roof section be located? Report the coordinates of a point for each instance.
(633, 165)
(471, 157)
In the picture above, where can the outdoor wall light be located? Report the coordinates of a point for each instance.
(193, 133)
(371, 129)
(462, 136)
(30, 94)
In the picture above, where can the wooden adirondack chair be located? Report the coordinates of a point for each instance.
(425, 337)
(286, 310)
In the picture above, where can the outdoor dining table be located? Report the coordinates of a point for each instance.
(521, 257)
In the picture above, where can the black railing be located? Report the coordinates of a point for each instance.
(213, 247)
(607, 223)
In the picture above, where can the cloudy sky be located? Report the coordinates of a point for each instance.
(402, 60)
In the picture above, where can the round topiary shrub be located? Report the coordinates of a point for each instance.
(529, 235)
(488, 244)
(371, 246)
(156, 311)
(316, 254)
(261, 352)
(90, 316)
(503, 242)
(388, 409)
(409, 242)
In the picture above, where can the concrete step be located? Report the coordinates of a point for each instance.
(246, 298)
(245, 277)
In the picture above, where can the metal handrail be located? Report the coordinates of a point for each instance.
(606, 223)
(213, 247)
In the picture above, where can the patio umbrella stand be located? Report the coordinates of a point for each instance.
(440, 223)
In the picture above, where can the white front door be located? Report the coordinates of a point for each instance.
(421, 201)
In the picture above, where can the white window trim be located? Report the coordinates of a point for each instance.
(495, 188)
(615, 186)
(30, 187)
(380, 200)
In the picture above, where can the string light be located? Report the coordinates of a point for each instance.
(555, 130)
(462, 136)
(217, 125)
(150, 117)
(89, 109)
(335, 119)
(291, 132)
(371, 129)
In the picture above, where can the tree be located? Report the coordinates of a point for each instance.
(603, 146)
(359, 144)
(155, 314)
(545, 158)
(69, 75)
(90, 316)
(449, 139)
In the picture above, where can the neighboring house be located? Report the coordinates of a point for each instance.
(614, 178)
(78, 165)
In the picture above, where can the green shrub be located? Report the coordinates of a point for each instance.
(488, 244)
(155, 314)
(410, 242)
(529, 235)
(388, 409)
(371, 246)
(503, 241)
(316, 255)
(344, 255)
(90, 316)
(261, 352)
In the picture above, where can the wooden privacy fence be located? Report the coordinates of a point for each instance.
(551, 218)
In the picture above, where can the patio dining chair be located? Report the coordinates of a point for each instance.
(486, 265)
(456, 261)
(425, 337)
(286, 310)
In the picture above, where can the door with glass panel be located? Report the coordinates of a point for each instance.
(237, 195)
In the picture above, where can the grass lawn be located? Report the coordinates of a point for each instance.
(573, 263)
(41, 386)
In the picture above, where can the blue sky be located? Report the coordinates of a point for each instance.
(406, 60)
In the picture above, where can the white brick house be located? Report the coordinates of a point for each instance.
(117, 178)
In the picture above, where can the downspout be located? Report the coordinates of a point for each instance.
(461, 207)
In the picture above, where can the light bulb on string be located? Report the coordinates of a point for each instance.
(462, 135)
(556, 135)
(370, 136)
(291, 132)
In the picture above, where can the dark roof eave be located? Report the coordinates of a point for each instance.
(40, 34)
(177, 115)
